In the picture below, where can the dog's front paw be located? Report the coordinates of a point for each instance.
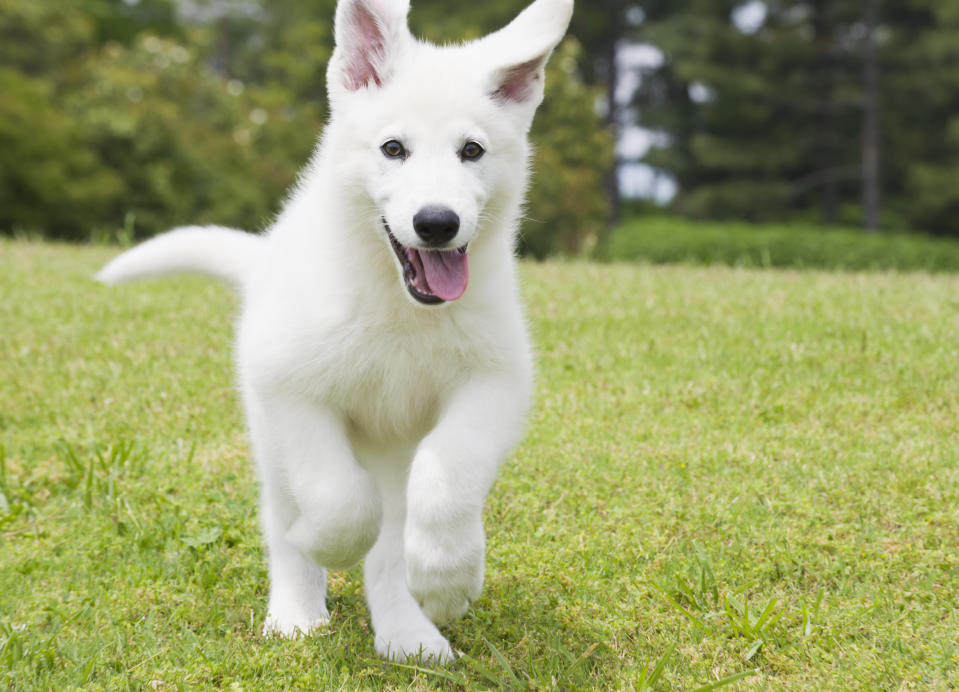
(286, 623)
(404, 643)
(444, 569)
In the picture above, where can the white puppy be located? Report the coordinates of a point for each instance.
(382, 352)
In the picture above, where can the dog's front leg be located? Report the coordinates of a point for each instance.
(320, 508)
(402, 631)
(451, 474)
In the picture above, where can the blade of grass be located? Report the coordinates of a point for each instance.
(757, 645)
(582, 659)
(726, 681)
(680, 608)
(501, 660)
(767, 618)
(649, 681)
(445, 674)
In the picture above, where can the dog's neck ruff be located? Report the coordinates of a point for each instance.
(432, 276)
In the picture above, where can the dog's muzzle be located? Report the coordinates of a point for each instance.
(433, 276)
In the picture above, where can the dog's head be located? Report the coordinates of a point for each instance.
(437, 135)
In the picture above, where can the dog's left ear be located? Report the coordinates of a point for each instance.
(369, 36)
(520, 51)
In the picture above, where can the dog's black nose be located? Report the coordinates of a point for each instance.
(436, 225)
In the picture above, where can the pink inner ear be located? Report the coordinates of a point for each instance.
(516, 83)
(366, 49)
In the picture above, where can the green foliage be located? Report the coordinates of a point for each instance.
(46, 38)
(660, 239)
(768, 126)
(122, 114)
(755, 122)
(49, 178)
(567, 206)
(116, 125)
(198, 149)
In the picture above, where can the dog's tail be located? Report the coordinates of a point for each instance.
(223, 253)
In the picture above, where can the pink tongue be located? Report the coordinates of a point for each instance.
(447, 272)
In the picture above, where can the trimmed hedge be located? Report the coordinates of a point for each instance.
(662, 240)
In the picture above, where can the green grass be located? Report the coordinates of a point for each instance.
(730, 474)
(663, 240)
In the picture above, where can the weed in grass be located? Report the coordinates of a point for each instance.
(564, 669)
(757, 628)
(811, 615)
(698, 598)
(98, 477)
(649, 677)
(695, 594)
(16, 652)
(728, 680)
(203, 538)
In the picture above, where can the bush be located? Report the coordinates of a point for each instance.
(128, 117)
(661, 240)
(48, 176)
(187, 143)
(567, 205)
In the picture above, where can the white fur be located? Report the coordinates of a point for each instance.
(378, 423)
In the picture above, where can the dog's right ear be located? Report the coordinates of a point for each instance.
(369, 36)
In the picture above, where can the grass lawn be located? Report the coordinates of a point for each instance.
(727, 472)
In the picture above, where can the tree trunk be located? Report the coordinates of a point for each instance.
(827, 151)
(612, 120)
(870, 120)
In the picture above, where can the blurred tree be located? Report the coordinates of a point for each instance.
(796, 116)
(567, 208)
(118, 112)
(48, 177)
(50, 180)
(758, 124)
(602, 28)
(181, 140)
(104, 122)
(871, 183)
(924, 86)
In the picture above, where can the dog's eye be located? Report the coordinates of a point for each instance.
(471, 151)
(393, 150)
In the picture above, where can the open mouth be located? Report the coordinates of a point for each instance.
(431, 276)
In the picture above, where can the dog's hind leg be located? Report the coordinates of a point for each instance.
(402, 631)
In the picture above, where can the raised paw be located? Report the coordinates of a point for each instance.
(444, 570)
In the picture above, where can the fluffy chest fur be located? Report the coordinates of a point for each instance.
(386, 368)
